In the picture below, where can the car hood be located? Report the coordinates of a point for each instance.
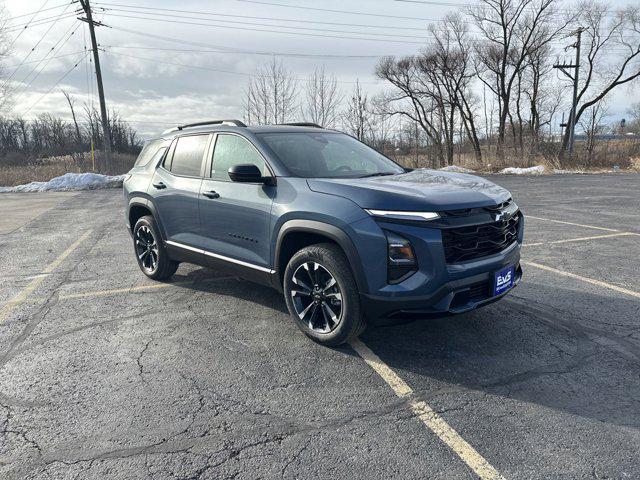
(418, 190)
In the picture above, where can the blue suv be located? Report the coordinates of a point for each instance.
(350, 237)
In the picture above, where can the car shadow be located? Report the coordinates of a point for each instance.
(565, 349)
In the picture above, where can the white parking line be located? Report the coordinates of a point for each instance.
(592, 281)
(428, 416)
(579, 239)
(571, 223)
(6, 310)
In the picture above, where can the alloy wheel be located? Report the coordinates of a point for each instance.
(146, 248)
(316, 296)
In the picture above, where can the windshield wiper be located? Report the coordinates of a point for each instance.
(378, 174)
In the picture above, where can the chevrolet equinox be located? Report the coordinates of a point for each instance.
(349, 236)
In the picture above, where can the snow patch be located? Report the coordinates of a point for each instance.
(537, 170)
(69, 182)
(456, 169)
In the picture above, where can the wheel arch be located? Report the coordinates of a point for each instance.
(297, 234)
(139, 207)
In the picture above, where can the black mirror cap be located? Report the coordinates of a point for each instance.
(248, 173)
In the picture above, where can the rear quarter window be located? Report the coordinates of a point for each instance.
(147, 153)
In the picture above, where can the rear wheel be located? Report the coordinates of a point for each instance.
(152, 257)
(322, 296)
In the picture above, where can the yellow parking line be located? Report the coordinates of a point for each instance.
(6, 310)
(428, 416)
(579, 239)
(139, 288)
(592, 281)
(115, 291)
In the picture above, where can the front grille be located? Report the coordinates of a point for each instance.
(475, 293)
(465, 212)
(477, 241)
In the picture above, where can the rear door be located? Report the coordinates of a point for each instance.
(176, 187)
(235, 217)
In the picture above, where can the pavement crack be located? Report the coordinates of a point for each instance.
(139, 360)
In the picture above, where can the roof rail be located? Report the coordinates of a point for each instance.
(302, 124)
(231, 122)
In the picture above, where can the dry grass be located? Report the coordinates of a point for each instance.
(42, 170)
(625, 154)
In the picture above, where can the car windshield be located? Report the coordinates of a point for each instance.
(328, 155)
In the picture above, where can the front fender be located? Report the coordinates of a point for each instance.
(330, 231)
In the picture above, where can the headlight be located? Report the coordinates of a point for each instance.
(415, 216)
(401, 259)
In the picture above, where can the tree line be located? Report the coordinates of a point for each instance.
(47, 135)
(485, 83)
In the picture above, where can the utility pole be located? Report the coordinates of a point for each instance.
(574, 78)
(96, 58)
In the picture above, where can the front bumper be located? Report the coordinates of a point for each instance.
(457, 296)
(438, 288)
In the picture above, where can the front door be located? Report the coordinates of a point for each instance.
(176, 187)
(235, 217)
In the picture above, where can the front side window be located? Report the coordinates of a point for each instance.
(328, 155)
(233, 150)
(188, 154)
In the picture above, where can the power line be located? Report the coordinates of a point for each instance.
(54, 85)
(36, 45)
(40, 10)
(273, 31)
(424, 38)
(56, 47)
(226, 49)
(108, 6)
(164, 15)
(31, 20)
(351, 12)
(44, 58)
(247, 52)
(39, 23)
(199, 67)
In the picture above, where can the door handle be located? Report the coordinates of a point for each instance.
(159, 185)
(211, 194)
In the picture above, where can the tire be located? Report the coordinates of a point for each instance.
(148, 246)
(309, 291)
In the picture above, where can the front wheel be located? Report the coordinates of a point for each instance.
(322, 296)
(150, 252)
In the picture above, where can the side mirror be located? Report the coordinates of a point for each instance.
(247, 173)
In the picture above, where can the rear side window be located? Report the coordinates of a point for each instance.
(233, 150)
(147, 153)
(188, 154)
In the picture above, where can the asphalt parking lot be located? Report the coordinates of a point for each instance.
(105, 374)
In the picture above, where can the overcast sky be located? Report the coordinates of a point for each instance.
(152, 95)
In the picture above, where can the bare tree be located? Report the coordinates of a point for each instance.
(271, 95)
(356, 119)
(71, 103)
(593, 125)
(453, 54)
(321, 98)
(634, 111)
(511, 31)
(604, 71)
(409, 100)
